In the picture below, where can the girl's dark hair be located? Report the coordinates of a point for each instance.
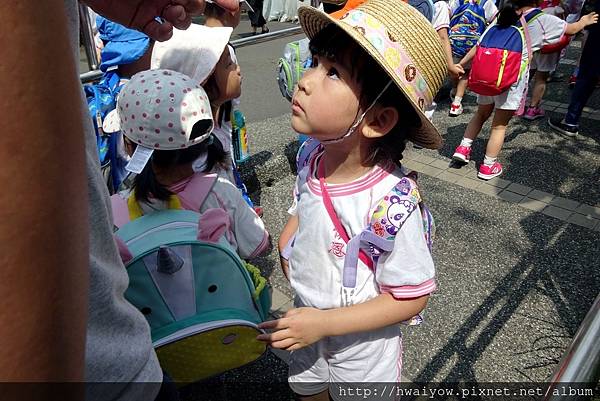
(146, 185)
(213, 92)
(335, 45)
(508, 15)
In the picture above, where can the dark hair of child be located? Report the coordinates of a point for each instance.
(212, 90)
(146, 185)
(335, 45)
(508, 15)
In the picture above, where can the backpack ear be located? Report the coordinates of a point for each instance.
(212, 225)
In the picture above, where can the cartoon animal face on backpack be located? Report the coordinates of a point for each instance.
(394, 209)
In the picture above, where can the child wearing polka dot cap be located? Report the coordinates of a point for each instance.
(167, 123)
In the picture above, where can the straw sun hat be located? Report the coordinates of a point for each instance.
(404, 44)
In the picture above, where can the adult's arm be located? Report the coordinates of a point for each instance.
(140, 14)
(43, 202)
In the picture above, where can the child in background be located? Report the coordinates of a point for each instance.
(489, 13)
(202, 53)
(216, 16)
(441, 23)
(167, 121)
(543, 64)
(373, 73)
(544, 30)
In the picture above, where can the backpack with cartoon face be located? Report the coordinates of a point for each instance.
(202, 302)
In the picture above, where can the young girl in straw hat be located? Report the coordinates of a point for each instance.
(374, 71)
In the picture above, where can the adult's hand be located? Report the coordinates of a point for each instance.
(141, 14)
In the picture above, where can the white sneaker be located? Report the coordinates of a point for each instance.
(455, 110)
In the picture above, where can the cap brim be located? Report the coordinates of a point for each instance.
(313, 21)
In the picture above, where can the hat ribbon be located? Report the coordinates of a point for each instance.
(375, 32)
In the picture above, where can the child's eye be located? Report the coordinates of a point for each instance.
(314, 62)
(333, 73)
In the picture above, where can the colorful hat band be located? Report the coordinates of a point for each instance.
(396, 57)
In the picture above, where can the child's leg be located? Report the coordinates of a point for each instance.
(463, 151)
(461, 87)
(481, 116)
(539, 87)
(490, 167)
(499, 124)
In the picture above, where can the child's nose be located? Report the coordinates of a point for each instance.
(304, 84)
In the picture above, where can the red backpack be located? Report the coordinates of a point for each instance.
(498, 61)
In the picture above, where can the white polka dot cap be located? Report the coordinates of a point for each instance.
(158, 109)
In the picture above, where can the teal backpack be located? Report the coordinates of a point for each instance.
(202, 302)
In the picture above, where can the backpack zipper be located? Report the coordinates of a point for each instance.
(176, 224)
(202, 327)
(502, 65)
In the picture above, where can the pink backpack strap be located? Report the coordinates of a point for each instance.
(196, 191)
(120, 211)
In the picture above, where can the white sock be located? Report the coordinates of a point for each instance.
(488, 161)
(466, 142)
(457, 100)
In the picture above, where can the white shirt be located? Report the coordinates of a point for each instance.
(441, 15)
(317, 259)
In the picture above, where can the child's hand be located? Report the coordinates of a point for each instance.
(590, 18)
(297, 329)
(456, 70)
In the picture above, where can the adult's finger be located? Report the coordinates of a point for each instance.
(158, 31)
(192, 7)
(177, 15)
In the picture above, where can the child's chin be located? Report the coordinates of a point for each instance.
(298, 126)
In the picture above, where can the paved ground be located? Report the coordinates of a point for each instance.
(517, 258)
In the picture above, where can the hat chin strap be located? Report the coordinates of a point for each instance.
(353, 127)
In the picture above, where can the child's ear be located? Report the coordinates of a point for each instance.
(381, 121)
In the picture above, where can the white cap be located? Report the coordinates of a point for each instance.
(193, 52)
